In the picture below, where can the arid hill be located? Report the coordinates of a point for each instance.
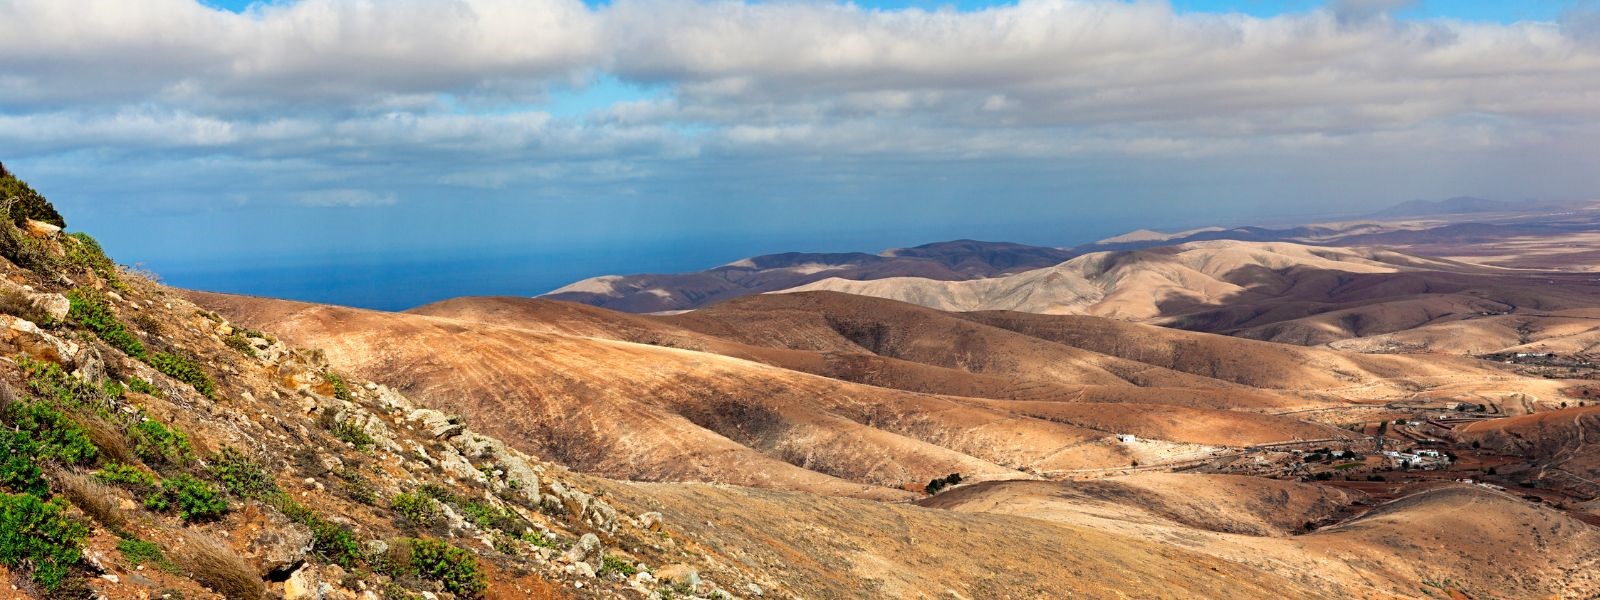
(955, 260)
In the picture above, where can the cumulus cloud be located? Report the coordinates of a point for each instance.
(354, 87)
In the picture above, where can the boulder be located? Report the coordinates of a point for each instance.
(679, 574)
(436, 423)
(303, 584)
(586, 550)
(650, 521)
(280, 546)
(21, 335)
(41, 229)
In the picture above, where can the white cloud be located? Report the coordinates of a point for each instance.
(456, 91)
(345, 198)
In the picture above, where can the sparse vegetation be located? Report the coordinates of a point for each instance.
(218, 566)
(452, 568)
(348, 431)
(16, 302)
(185, 369)
(341, 390)
(419, 509)
(83, 251)
(238, 342)
(612, 563)
(144, 387)
(139, 552)
(41, 538)
(331, 541)
(239, 475)
(90, 310)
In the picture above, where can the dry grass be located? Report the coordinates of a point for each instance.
(217, 566)
(16, 302)
(95, 499)
(108, 438)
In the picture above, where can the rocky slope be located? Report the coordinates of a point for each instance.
(153, 448)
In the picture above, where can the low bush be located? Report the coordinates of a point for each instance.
(83, 251)
(128, 477)
(195, 500)
(144, 387)
(90, 310)
(488, 516)
(346, 430)
(47, 380)
(40, 536)
(333, 542)
(56, 436)
(238, 342)
(159, 445)
(451, 567)
(239, 475)
(29, 204)
(185, 369)
(19, 471)
(417, 508)
(340, 389)
(616, 564)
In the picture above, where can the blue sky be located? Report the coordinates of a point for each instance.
(389, 154)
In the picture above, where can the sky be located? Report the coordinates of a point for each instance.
(390, 153)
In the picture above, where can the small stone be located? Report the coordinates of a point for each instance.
(111, 578)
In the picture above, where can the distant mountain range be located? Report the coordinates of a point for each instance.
(1436, 228)
(945, 261)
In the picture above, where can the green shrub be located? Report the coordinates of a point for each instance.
(420, 509)
(451, 567)
(616, 564)
(488, 516)
(89, 309)
(29, 203)
(40, 535)
(348, 431)
(185, 369)
(195, 500)
(144, 387)
(238, 342)
(331, 541)
(55, 435)
(83, 251)
(159, 445)
(358, 488)
(241, 476)
(130, 477)
(139, 552)
(340, 389)
(19, 471)
(47, 380)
